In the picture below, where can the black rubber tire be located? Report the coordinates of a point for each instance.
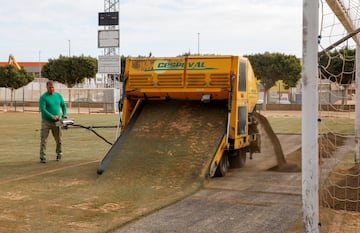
(100, 171)
(223, 166)
(237, 159)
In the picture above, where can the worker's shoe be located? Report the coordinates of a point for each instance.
(58, 157)
(42, 160)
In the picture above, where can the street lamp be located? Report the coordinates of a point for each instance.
(69, 48)
(198, 43)
(39, 65)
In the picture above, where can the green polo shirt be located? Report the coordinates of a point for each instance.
(50, 105)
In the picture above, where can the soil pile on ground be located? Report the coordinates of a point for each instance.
(345, 194)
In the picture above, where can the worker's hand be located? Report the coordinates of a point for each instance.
(65, 117)
(55, 118)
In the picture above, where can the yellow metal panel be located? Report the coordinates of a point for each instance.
(216, 160)
(196, 80)
(169, 80)
(172, 76)
(140, 80)
(252, 90)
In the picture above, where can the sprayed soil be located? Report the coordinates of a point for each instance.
(171, 138)
(267, 131)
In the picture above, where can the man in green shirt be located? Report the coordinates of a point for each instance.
(50, 103)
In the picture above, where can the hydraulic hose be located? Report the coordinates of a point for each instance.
(91, 128)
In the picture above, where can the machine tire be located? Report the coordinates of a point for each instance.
(238, 159)
(100, 171)
(223, 166)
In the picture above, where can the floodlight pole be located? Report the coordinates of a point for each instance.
(69, 48)
(309, 137)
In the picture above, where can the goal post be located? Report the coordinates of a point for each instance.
(331, 116)
(357, 109)
(310, 165)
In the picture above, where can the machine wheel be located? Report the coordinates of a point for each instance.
(238, 159)
(100, 171)
(223, 166)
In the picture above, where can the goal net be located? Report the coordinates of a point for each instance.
(339, 189)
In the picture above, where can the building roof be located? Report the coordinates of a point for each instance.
(31, 66)
(27, 64)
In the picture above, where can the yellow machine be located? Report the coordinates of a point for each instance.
(228, 81)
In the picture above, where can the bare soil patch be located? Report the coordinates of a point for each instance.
(345, 194)
(339, 200)
(328, 144)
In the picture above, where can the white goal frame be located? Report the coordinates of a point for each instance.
(310, 101)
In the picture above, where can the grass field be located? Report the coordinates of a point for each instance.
(69, 196)
(33, 195)
(21, 133)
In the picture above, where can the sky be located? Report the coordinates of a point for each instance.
(50, 28)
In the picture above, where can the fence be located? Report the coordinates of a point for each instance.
(78, 100)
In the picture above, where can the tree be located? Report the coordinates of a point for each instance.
(14, 78)
(271, 67)
(70, 70)
(338, 66)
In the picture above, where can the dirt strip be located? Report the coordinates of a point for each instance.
(250, 199)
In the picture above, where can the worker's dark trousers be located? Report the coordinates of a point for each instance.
(47, 126)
